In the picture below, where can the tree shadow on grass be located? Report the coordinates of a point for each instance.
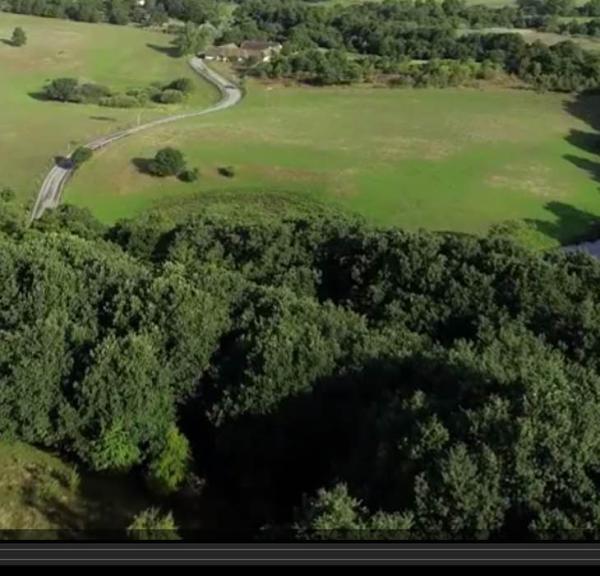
(40, 96)
(142, 165)
(63, 162)
(170, 51)
(590, 166)
(588, 141)
(567, 224)
(103, 118)
(586, 107)
(8, 42)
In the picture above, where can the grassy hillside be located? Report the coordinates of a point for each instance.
(457, 159)
(47, 497)
(32, 131)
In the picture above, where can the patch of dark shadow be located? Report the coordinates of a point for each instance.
(588, 141)
(41, 96)
(46, 499)
(63, 162)
(142, 164)
(226, 171)
(112, 500)
(591, 167)
(586, 107)
(170, 51)
(570, 226)
(103, 118)
(8, 42)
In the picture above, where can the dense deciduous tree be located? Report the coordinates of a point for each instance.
(390, 384)
(62, 89)
(192, 39)
(19, 38)
(80, 156)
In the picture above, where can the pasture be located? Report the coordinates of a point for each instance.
(453, 159)
(33, 131)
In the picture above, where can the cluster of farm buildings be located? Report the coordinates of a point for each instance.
(250, 50)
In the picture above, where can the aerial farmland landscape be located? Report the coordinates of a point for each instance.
(300, 269)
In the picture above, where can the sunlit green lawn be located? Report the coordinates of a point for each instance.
(455, 159)
(32, 131)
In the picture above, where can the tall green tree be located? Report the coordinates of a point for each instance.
(192, 38)
(19, 37)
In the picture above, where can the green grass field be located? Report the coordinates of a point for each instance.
(455, 159)
(32, 132)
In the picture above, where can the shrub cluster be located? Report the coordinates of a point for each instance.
(70, 90)
(171, 162)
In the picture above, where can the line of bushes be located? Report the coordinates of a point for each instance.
(70, 90)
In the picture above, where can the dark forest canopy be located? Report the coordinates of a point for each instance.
(327, 377)
(433, 57)
(119, 11)
(281, 16)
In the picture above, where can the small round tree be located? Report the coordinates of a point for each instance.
(19, 38)
(167, 162)
(172, 97)
(62, 89)
(81, 155)
(169, 469)
(190, 175)
(185, 85)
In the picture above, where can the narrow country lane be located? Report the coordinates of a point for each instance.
(50, 193)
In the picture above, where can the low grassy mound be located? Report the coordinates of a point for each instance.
(38, 491)
(42, 496)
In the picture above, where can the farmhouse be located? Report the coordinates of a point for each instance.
(226, 52)
(249, 50)
(261, 50)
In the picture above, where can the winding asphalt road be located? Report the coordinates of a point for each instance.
(50, 193)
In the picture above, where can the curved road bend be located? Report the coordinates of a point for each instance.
(50, 193)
